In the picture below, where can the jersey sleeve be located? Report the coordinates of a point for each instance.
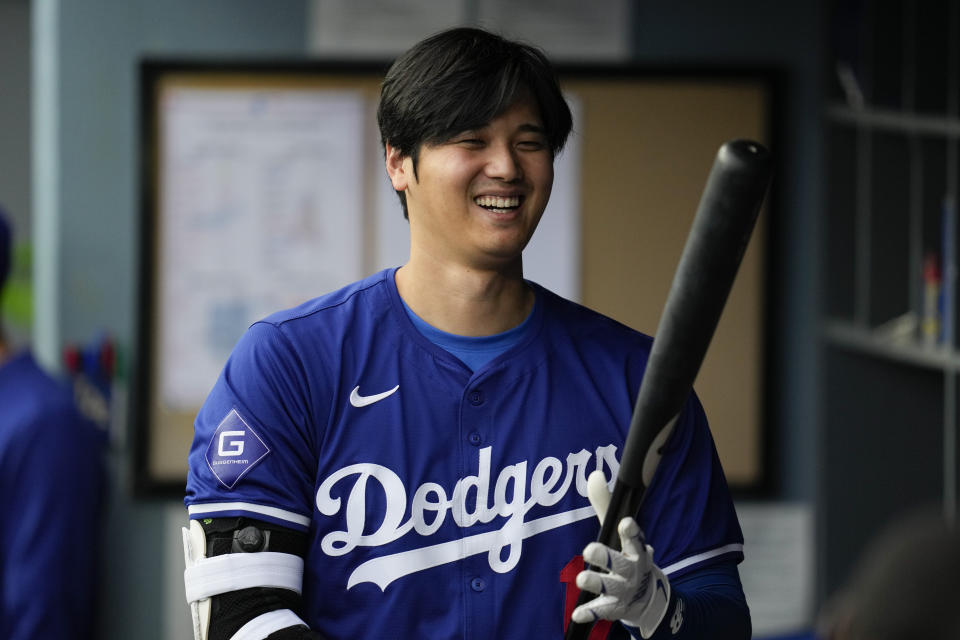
(707, 603)
(254, 438)
(688, 514)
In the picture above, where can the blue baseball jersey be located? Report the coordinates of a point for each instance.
(52, 483)
(438, 501)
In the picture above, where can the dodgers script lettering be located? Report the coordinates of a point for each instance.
(474, 499)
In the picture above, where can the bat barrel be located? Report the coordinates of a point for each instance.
(715, 246)
(708, 265)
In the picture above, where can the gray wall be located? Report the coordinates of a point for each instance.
(88, 206)
(100, 43)
(15, 114)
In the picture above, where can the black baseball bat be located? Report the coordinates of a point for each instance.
(711, 257)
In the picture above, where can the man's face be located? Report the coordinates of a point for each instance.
(476, 198)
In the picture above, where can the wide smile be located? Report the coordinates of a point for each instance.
(499, 204)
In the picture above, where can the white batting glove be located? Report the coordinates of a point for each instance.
(631, 587)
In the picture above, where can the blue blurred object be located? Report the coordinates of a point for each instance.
(6, 246)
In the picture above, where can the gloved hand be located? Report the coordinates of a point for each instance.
(632, 588)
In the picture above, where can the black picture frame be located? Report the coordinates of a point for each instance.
(154, 72)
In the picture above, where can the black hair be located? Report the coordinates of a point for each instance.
(461, 79)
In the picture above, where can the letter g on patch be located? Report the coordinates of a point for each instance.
(231, 443)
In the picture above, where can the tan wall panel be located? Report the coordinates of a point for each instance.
(647, 151)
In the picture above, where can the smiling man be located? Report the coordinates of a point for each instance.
(411, 456)
(476, 200)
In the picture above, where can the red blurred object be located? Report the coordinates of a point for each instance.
(108, 358)
(931, 268)
(72, 359)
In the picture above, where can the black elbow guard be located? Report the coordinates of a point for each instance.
(245, 574)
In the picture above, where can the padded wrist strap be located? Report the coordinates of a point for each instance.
(231, 572)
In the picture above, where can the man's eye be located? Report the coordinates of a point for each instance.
(532, 145)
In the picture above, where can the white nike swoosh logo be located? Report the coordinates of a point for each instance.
(358, 400)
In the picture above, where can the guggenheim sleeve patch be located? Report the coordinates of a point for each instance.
(234, 449)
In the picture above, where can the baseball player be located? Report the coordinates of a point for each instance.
(52, 486)
(424, 453)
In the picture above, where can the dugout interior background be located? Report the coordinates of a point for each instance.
(648, 137)
(70, 122)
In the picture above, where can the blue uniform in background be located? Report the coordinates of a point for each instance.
(439, 501)
(51, 491)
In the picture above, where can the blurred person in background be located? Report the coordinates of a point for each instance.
(51, 490)
(905, 586)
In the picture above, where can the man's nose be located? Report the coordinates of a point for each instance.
(503, 163)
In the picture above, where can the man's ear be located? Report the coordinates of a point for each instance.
(398, 169)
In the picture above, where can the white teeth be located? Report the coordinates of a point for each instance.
(498, 202)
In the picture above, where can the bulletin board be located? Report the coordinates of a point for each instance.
(241, 163)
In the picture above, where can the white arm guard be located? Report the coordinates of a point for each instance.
(195, 550)
(207, 577)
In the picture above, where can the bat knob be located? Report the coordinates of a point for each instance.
(746, 154)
